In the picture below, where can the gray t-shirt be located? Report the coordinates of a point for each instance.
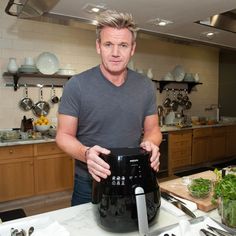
(108, 115)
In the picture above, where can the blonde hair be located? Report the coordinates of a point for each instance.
(114, 19)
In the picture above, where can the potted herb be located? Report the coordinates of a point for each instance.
(225, 195)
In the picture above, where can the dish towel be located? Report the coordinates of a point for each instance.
(53, 229)
(169, 207)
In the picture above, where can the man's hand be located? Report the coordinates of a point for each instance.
(154, 149)
(97, 167)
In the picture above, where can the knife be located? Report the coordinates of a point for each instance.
(219, 231)
(178, 204)
(167, 196)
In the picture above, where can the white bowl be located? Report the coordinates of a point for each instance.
(47, 63)
(66, 72)
(42, 128)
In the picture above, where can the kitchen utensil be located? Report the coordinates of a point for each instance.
(170, 197)
(174, 103)
(188, 105)
(41, 107)
(131, 187)
(167, 101)
(26, 103)
(179, 96)
(205, 232)
(178, 204)
(54, 99)
(47, 63)
(219, 231)
(31, 230)
(185, 97)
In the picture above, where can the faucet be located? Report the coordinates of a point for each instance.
(214, 107)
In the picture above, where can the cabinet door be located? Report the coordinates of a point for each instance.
(53, 173)
(218, 144)
(180, 146)
(201, 145)
(231, 141)
(16, 179)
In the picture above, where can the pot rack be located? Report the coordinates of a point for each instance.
(33, 85)
(163, 83)
(16, 77)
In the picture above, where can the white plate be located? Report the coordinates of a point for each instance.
(66, 72)
(47, 63)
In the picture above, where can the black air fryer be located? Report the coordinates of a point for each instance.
(129, 198)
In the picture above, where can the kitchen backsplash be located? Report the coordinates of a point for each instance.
(24, 38)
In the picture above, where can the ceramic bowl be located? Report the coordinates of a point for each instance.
(42, 128)
(47, 63)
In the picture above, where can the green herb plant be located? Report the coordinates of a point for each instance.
(225, 194)
(200, 187)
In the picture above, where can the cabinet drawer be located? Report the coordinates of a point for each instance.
(219, 131)
(203, 132)
(16, 151)
(47, 149)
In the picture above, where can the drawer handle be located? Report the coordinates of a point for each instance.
(10, 151)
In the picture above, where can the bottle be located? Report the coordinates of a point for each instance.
(149, 73)
(12, 65)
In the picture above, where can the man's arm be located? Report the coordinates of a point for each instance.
(66, 137)
(67, 141)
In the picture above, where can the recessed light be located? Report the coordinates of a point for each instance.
(94, 9)
(160, 22)
(209, 34)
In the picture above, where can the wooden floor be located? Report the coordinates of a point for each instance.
(39, 204)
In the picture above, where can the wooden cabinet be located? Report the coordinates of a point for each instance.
(201, 145)
(231, 140)
(53, 169)
(28, 170)
(218, 144)
(16, 172)
(180, 146)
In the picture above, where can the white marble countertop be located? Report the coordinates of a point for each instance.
(80, 220)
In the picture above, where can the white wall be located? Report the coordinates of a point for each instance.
(22, 38)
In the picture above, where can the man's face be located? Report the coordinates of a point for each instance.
(115, 49)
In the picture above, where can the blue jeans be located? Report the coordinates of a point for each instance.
(82, 192)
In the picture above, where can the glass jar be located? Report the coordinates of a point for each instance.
(227, 210)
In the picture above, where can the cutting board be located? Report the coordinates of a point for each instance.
(179, 188)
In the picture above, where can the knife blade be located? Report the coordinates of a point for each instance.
(167, 196)
(183, 208)
(219, 231)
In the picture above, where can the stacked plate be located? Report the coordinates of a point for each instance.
(28, 69)
(66, 72)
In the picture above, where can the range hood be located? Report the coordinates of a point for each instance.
(191, 20)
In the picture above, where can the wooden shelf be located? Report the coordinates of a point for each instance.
(163, 83)
(16, 76)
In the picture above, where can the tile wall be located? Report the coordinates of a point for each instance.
(24, 38)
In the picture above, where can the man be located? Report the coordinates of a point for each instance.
(108, 106)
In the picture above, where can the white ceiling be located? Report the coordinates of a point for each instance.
(183, 14)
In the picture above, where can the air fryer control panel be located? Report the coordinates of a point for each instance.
(133, 172)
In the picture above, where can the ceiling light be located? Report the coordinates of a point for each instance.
(209, 34)
(159, 22)
(94, 9)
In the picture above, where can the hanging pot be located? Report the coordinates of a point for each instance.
(174, 104)
(188, 105)
(167, 101)
(41, 108)
(54, 99)
(26, 103)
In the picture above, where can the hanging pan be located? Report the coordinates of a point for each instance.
(26, 103)
(41, 108)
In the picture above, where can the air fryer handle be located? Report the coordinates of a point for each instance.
(142, 211)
